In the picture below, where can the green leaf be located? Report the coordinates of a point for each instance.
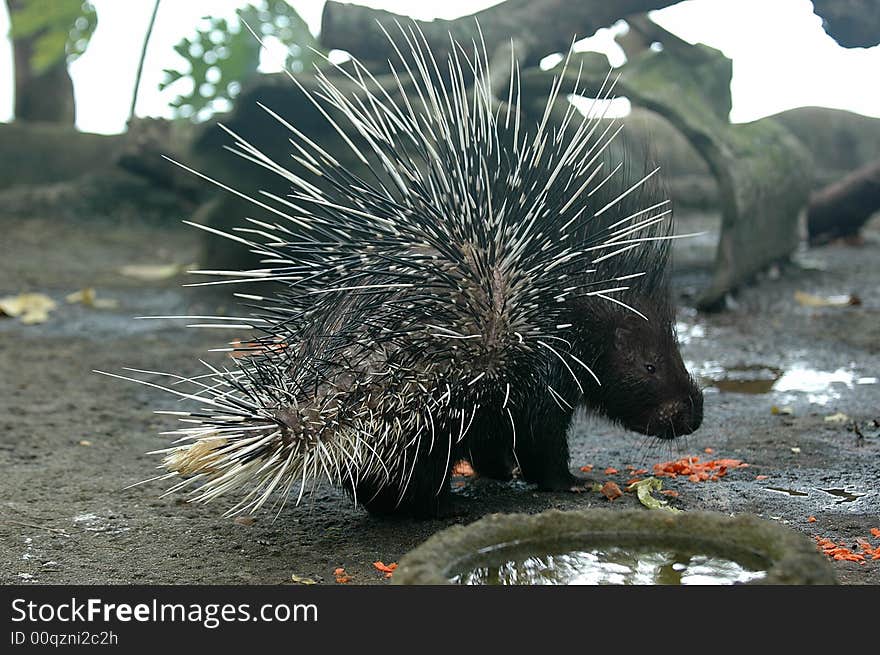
(60, 28)
(236, 54)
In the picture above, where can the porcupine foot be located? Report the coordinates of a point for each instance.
(542, 447)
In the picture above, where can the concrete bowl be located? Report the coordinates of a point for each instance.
(787, 556)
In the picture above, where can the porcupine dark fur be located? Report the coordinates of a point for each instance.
(461, 300)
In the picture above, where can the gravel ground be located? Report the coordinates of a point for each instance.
(72, 441)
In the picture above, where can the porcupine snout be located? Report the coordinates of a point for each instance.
(679, 416)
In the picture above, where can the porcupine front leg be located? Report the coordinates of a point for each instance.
(542, 444)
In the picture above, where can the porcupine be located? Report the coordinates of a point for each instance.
(458, 300)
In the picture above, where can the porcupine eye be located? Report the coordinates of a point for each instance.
(650, 368)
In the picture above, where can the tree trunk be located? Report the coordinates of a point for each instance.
(46, 96)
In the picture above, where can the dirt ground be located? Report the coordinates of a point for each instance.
(72, 441)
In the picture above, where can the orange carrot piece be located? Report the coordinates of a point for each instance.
(611, 491)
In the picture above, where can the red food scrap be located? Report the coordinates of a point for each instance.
(385, 568)
(610, 470)
(838, 551)
(697, 471)
(811, 519)
(761, 477)
(586, 468)
(611, 491)
(341, 576)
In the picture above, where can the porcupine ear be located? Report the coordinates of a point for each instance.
(621, 337)
(625, 328)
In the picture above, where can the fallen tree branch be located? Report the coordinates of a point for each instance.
(841, 208)
(538, 27)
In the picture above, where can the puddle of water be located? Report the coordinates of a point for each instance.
(790, 492)
(819, 386)
(844, 495)
(605, 566)
(748, 379)
(685, 332)
(813, 381)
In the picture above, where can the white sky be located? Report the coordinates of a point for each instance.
(781, 57)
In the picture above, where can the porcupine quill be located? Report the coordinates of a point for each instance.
(460, 300)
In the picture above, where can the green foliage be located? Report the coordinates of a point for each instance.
(62, 28)
(224, 54)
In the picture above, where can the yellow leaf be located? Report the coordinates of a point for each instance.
(809, 300)
(643, 489)
(89, 298)
(30, 308)
(151, 272)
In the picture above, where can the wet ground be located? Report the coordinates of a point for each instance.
(72, 441)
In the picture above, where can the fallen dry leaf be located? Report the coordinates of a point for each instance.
(643, 490)
(245, 520)
(30, 308)
(301, 580)
(839, 417)
(463, 467)
(152, 272)
(810, 300)
(89, 298)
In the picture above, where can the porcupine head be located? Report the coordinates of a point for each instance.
(632, 343)
(460, 299)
